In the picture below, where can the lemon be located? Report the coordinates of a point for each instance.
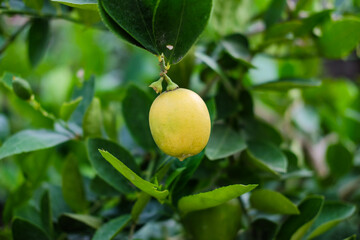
(180, 123)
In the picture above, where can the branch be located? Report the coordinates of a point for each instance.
(13, 37)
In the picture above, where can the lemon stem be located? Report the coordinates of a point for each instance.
(157, 86)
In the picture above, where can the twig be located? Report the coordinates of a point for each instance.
(13, 37)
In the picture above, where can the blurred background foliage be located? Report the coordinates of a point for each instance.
(281, 81)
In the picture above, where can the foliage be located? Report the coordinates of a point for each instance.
(281, 83)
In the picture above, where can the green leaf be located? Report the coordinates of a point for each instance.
(136, 106)
(296, 226)
(102, 188)
(211, 106)
(38, 39)
(72, 185)
(92, 122)
(213, 198)
(71, 222)
(136, 18)
(345, 31)
(279, 204)
(237, 45)
(274, 12)
(331, 214)
(224, 142)
(5, 129)
(339, 160)
(104, 169)
(68, 108)
(87, 93)
(173, 176)
(23, 229)
(258, 129)
(31, 140)
(46, 213)
(287, 84)
(266, 156)
(110, 229)
(115, 28)
(178, 24)
(143, 185)
(83, 4)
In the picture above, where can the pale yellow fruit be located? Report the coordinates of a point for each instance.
(180, 123)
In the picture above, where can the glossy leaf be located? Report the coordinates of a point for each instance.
(237, 46)
(213, 198)
(72, 185)
(115, 28)
(258, 129)
(83, 4)
(178, 24)
(68, 108)
(143, 185)
(287, 84)
(23, 229)
(110, 229)
(279, 204)
(339, 160)
(296, 226)
(136, 107)
(331, 214)
(266, 156)
(345, 31)
(104, 169)
(92, 122)
(224, 142)
(31, 140)
(71, 222)
(38, 39)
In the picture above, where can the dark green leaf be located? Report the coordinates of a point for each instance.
(115, 28)
(102, 188)
(331, 214)
(38, 39)
(213, 198)
(287, 84)
(345, 31)
(5, 127)
(136, 18)
(279, 204)
(339, 160)
(110, 229)
(266, 156)
(70, 222)
(72, 185)
(31, 140)
(274, 12)
(143, 185)
(296, 226)
(104, 169)
(258, 129)
(224, 142)
(211, 106)
(35, 4)
(237, 46)
(83, 4)
(23, 229)
(178, 24)
(283, 30)
(92, 122)
(136, 107)
(68, 108)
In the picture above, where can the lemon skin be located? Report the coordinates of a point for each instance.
(180, 123)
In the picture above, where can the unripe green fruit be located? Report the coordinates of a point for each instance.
(22, 88)
(218, 223)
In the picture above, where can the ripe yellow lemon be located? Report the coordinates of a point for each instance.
(180, 123)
